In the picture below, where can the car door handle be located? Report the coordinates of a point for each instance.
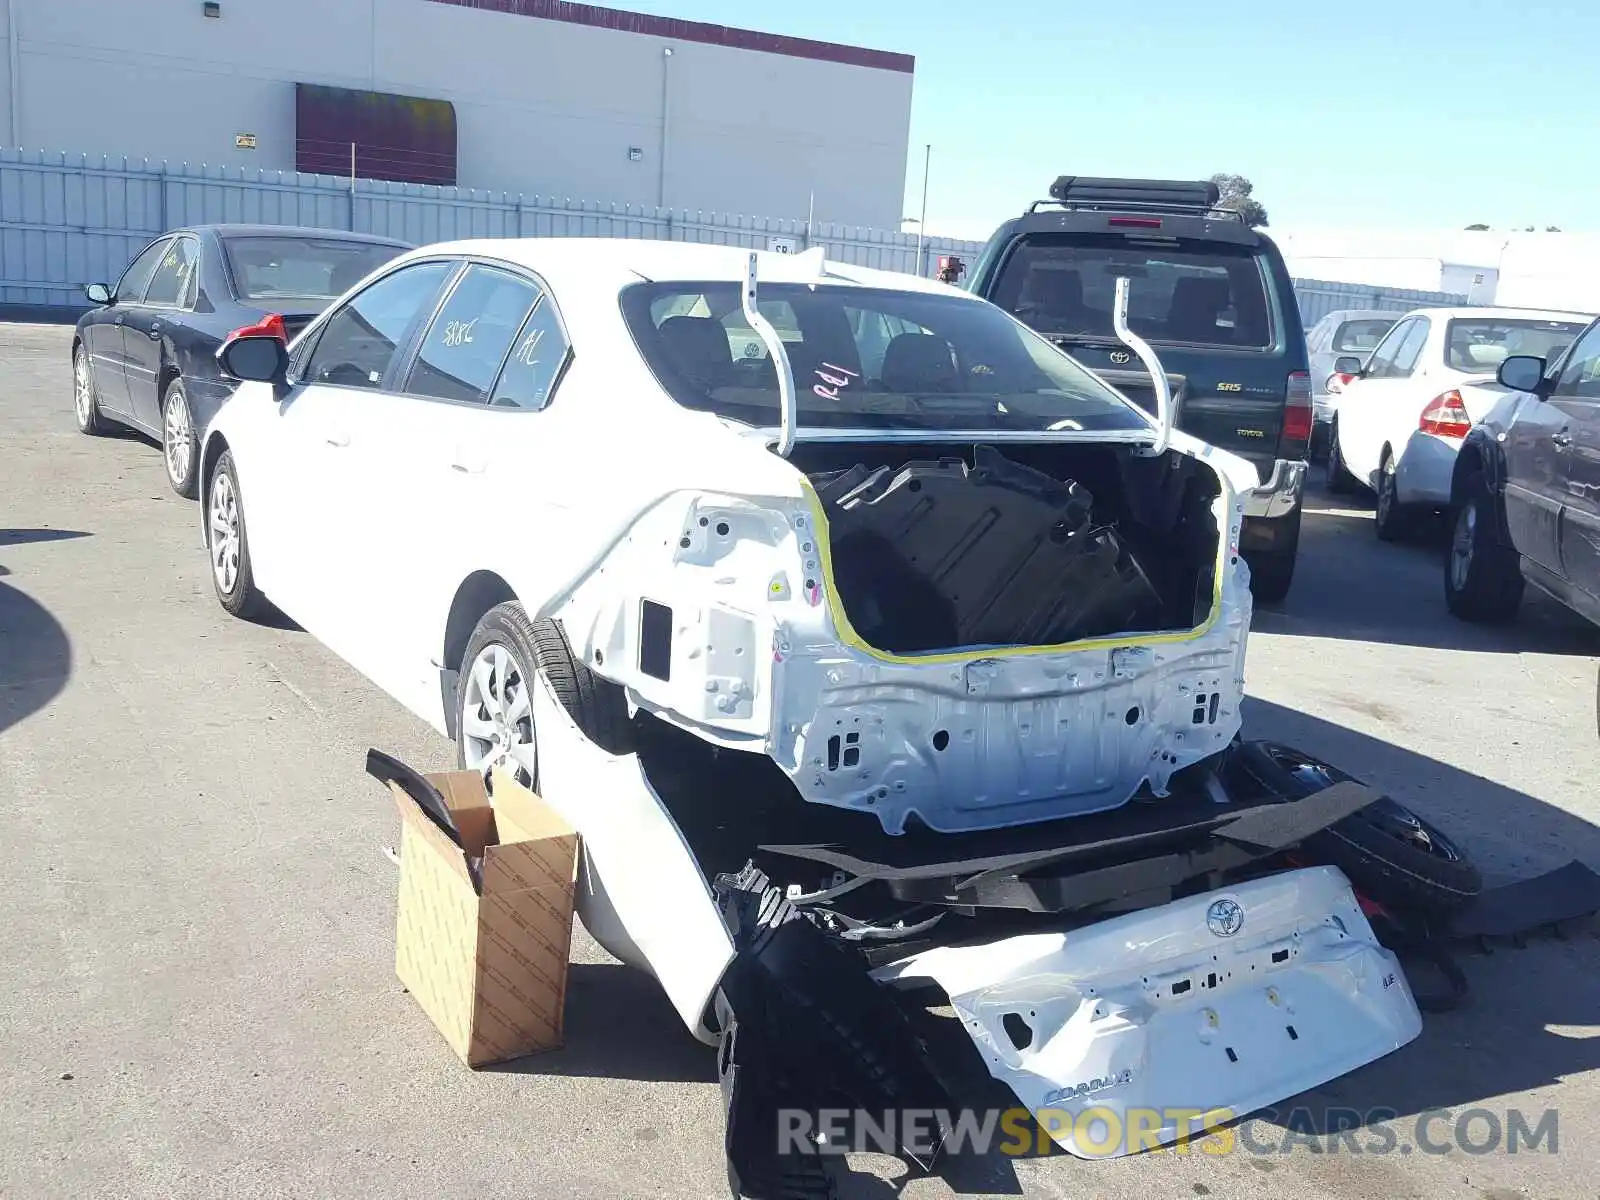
(467, 466)
(337, 438)
(1561, 440)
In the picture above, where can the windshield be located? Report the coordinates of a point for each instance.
(296, 268)
(1182, 290)
(1481, 344)
(1362, 336)
(865, 358)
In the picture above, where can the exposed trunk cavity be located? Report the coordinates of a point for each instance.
(942, 547)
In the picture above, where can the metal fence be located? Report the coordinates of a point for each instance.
(69, 220)
(1319, 297)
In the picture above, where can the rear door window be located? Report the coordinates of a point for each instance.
(471, 335)
(1189, 291)
(130, 289)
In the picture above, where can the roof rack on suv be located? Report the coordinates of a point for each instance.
(1078, 192)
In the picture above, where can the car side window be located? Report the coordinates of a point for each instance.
(358, 342)
(1580, 375)
(1381, 364)
(1405, 358)
(538, 356)
(130, 288)
(471, 335)
(174, 274)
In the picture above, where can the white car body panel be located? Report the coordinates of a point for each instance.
(1383, 414)
(1110, 1035)
(640, 891)
(345, 488)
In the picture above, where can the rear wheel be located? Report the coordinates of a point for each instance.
(1482, 577)
(180, 447)
(1393, 520)
(1272, 571)
(494, 695)
(1340, 481)
(1390, 854)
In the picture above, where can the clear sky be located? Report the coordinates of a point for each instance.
(1393, 113)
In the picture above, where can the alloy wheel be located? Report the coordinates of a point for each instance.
(497, 716)
(180, 448)
(1462, 540)
(226, 538)
(82, 388)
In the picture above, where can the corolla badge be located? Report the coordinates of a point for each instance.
(1224, 918)
(1120, 357)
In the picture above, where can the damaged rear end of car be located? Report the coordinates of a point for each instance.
(943, 696)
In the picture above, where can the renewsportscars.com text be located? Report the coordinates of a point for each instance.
(1104, 1132)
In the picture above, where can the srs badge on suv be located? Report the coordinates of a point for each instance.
(1215, 299)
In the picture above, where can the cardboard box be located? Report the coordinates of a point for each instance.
(486, 957)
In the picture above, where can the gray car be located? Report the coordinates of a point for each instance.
(1344, 331)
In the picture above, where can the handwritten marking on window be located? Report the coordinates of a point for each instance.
(528, 352)
(833, 378)
(459, 333)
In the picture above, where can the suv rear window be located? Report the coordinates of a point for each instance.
(875, 358)
(1185, 290)
(1362, 336)
(1481, 344)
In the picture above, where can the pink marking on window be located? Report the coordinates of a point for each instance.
(828, 389)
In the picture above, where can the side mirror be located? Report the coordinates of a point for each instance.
(98, 293)
(1348, 364)
(1521, 373)
(255, 359)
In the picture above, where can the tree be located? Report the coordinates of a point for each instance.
(1552, 229)
(1477, 228)
(1235, 196)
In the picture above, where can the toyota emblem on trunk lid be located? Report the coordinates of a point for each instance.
(1121, 356)
(1225, 918)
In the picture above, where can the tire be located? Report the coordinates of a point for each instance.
(231, 572)
(1390, 854)
(494, 715)
(180, 448)
(1272, 571)
(1340, 481)
(1393, 521)
(86, 396)
(1482, 576)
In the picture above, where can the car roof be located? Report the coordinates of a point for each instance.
(591, 266)
(307, 231)
(1485, 312)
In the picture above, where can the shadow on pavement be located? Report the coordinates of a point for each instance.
(35, 656)
(1505, 1037)
(26, 537)
(620, 1025)
(1350, 586)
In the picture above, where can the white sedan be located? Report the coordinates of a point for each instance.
(1403, 413)
(765, 560)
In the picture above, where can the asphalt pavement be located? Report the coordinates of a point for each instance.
(197, 989)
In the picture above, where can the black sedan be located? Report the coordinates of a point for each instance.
(145, 356)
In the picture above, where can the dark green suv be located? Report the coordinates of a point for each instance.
(1214, 299)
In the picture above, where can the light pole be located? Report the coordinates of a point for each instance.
(922, 222)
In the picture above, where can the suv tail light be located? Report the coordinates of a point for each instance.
(1297, 415)
(269, 326)
(1446, 416)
